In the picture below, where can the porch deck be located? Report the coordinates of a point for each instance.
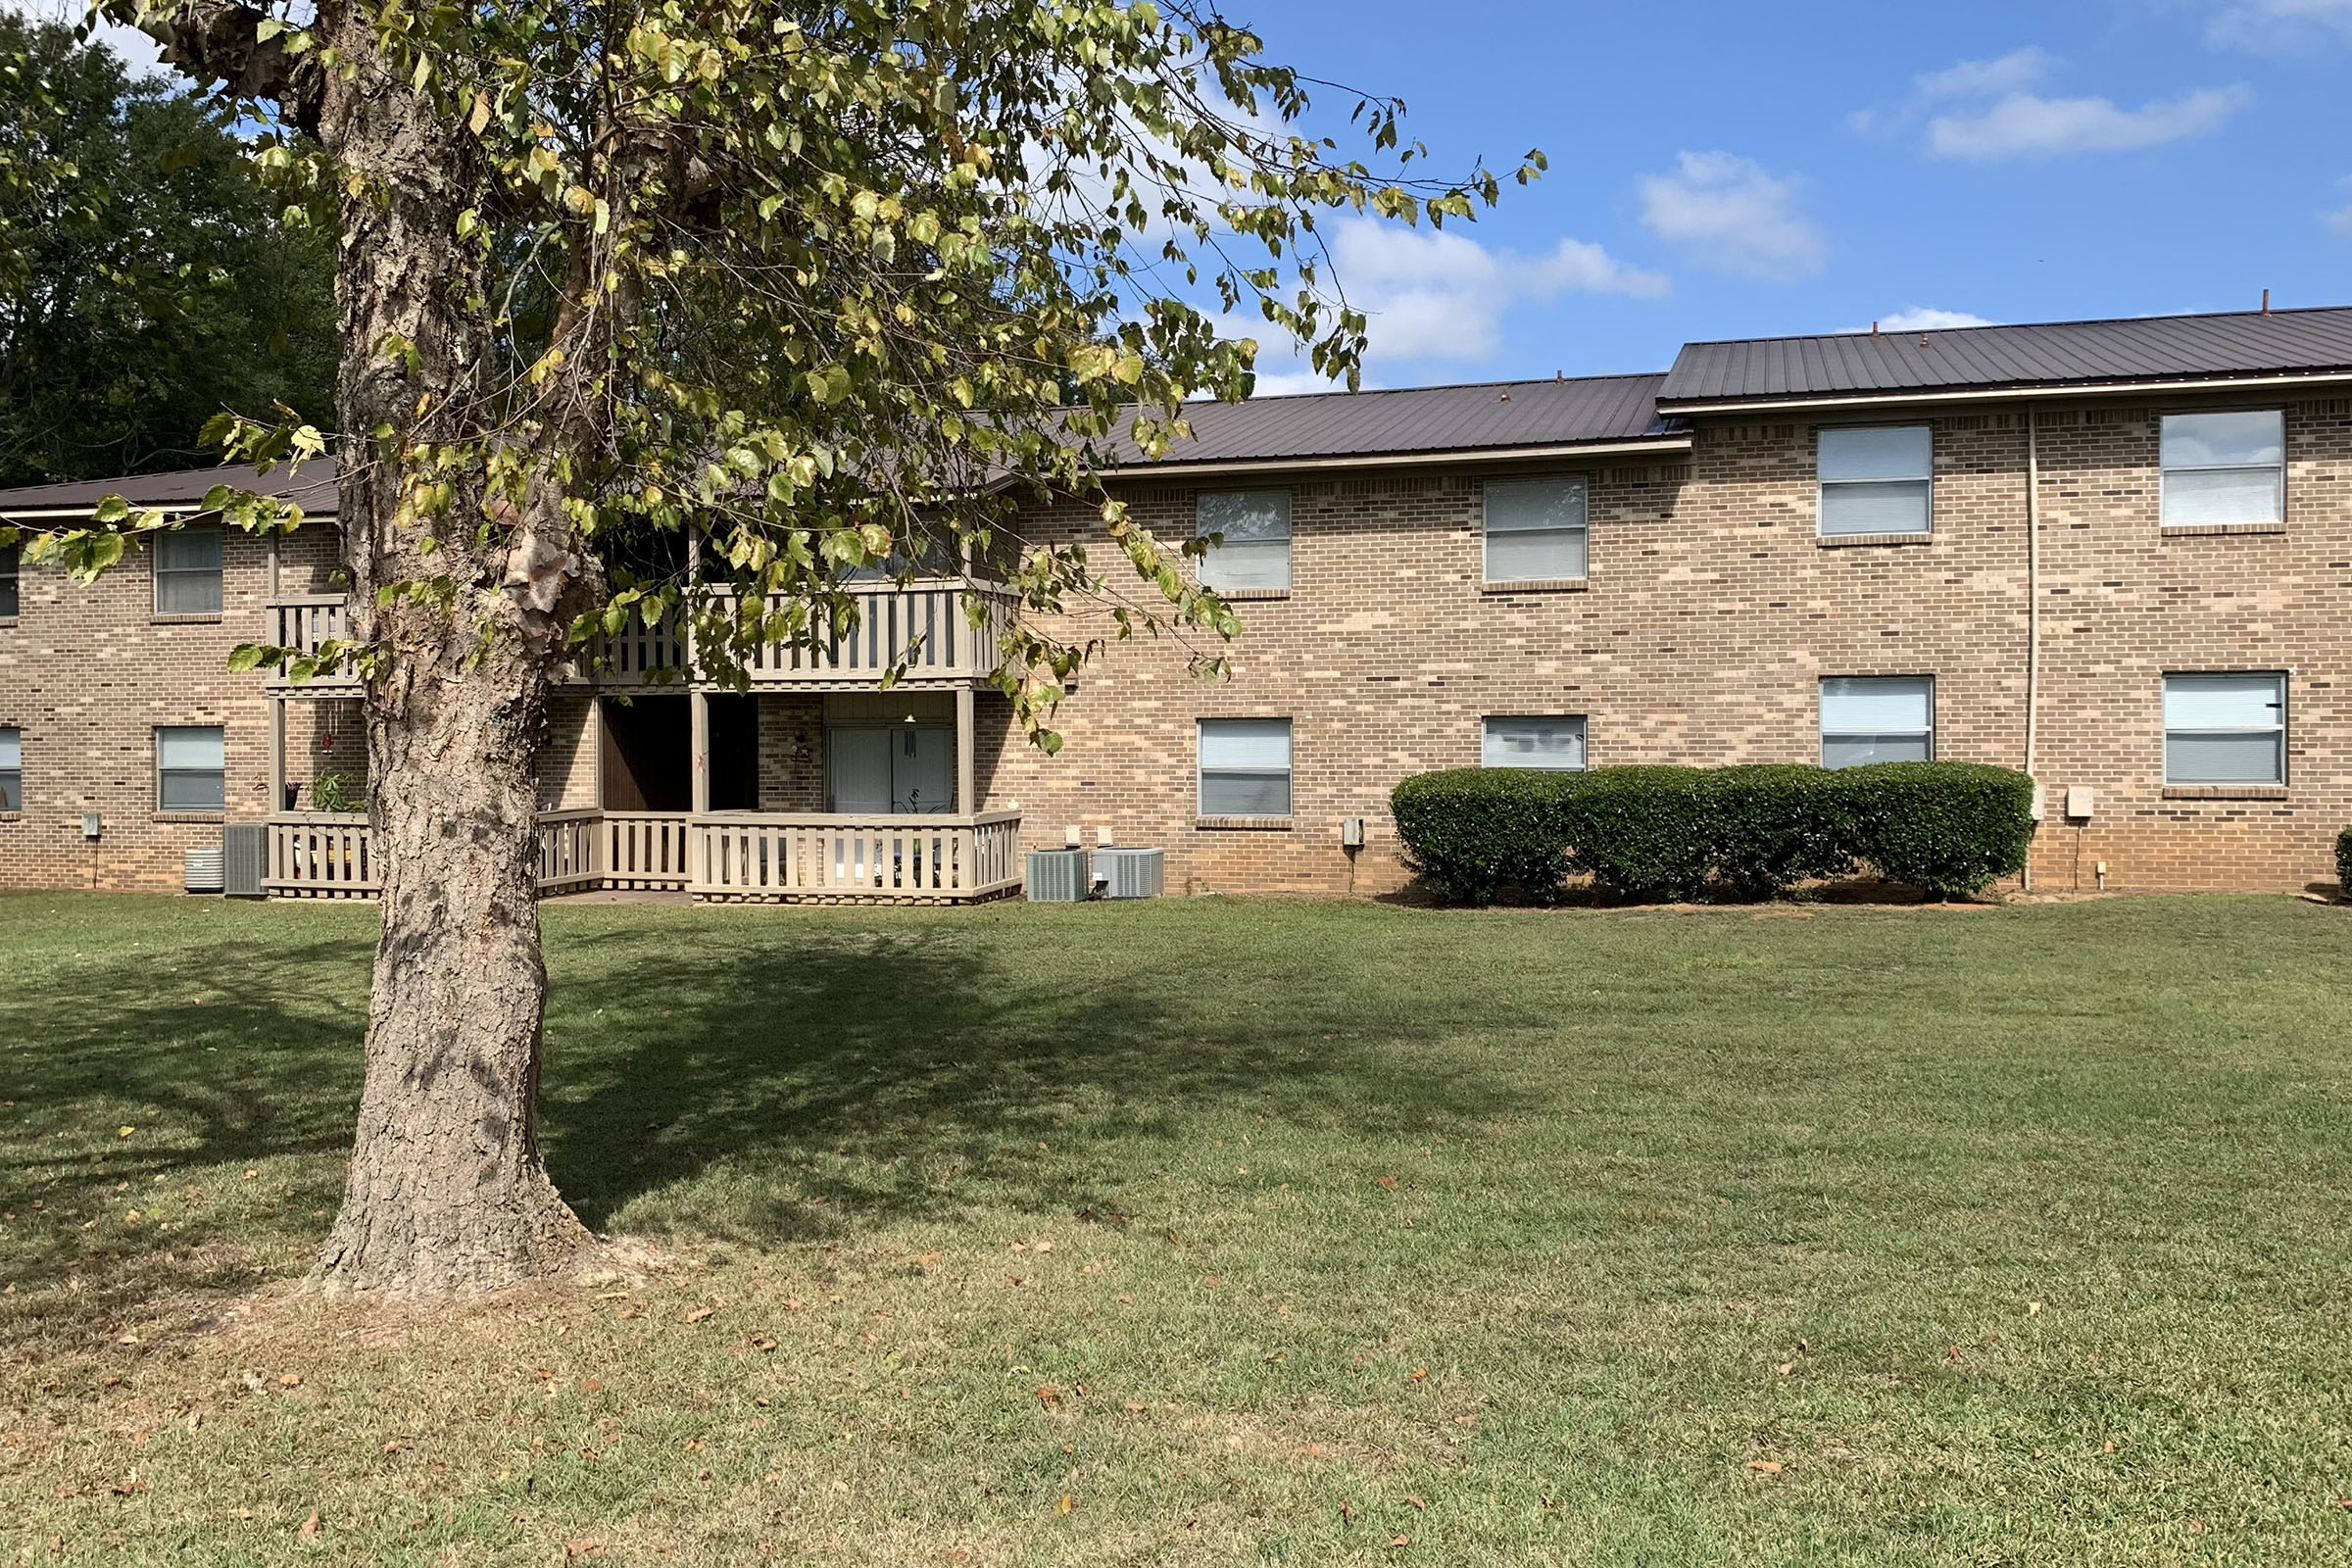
(713, 857)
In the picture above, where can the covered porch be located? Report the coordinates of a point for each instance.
(808, 797)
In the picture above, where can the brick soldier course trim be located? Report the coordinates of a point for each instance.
(1710, 613)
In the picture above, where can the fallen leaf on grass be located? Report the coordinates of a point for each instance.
(1787, 1369)
(764, 1345)
(582, 1548)
(1388, 1182)
(1770, 1467)
(697, 1315)
(292, 1380)
(1419, 1374)
(1416, 1502)
(312, 1526)
(1400, 1540)
(1048, 1396)
(1067, 1501)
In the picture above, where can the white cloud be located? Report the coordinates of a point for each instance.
(2270, 27)
(1923, 319)
(2013, 71)
(1735, 216)
(138, 51)
(2024, 126)
(1442, 295)
(1285, 383)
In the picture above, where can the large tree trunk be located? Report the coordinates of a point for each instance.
(447, 1193)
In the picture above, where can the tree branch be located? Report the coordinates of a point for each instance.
(219, 42)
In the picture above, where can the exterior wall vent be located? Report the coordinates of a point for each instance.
(244, 856)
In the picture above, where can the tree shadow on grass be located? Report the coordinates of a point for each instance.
(762, 1080)
(809, 1084)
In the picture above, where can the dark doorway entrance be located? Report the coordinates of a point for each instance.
(649, 755)
(734, 753)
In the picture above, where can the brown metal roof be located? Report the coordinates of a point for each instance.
(313, 486)
(1496, 416)
(2053, 354)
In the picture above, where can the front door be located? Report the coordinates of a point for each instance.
(901, 769)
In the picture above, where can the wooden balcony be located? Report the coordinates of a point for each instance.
(304, 621)
(921, 624)
(718, 856)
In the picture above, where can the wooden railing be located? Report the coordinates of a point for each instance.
(729, 856)
(304, 621)
(568, 842)
(756, 857)
(644, 850)
(922, 625)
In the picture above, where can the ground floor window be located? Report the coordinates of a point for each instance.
(1877, 719)
(12, 769)
(1555, 744)
(191, 767)
(1245, 768)
(2225, 728)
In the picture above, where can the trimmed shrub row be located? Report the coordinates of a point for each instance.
(2343, 865)
(1751, 832)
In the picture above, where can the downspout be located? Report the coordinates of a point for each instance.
(2033, 604)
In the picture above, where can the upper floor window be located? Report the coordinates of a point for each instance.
(1554, 744)
(12, 769)
(1876, 479)
(191, 767)
(1877, 718)
(8, 579)
(2225, 729)
(1535, 529)
(1253, 532)
(187, 571)
(1245, 768)
(2224, 468)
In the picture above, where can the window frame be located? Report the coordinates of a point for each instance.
(1820, 718)
(2165, 471)
(12, 580)
(1584, 741)
(2165, 730)
(1822, 485)
(164, 805)
(1581, 530)
(12, 774)
(218, 572)
(1290, 768)
(1289, 534)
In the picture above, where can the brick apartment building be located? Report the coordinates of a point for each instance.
(2116, 554)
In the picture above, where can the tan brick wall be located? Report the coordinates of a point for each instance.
(88, 673)
(1712, 613)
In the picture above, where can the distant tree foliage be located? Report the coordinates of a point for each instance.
(146, 283)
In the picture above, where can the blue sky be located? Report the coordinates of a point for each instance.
(1733, 169)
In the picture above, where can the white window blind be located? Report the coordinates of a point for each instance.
(1254, 529)
(1876, 479)
(12, 770)
(2224, 468)
(1535, 529)
(190, 768)
(1555, 744)
(1877, 719)
(1245, 768)
(2225, 729)
(187, 572)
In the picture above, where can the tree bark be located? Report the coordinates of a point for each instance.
(447, 1193)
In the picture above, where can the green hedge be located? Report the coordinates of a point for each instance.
(1478, 834)
(2343, 865)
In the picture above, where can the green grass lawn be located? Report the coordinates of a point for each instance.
(1216, 1231)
